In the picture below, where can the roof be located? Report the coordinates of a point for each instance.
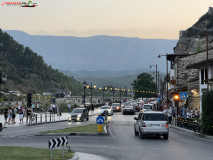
(200, 64)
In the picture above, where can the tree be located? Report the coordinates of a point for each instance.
(143, 85)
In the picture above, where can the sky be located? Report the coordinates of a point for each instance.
(149, 19)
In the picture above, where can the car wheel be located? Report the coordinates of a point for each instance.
(82, 119)
(141, 134)
(166, 136)
(88, 119)
(136, 132)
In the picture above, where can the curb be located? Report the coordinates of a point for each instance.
(105, 133)
(193, 133)
(76, 157)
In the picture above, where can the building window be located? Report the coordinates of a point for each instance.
(203, 76)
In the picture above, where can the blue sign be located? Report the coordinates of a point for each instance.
(159, 99)
(183, 95)
(100, 120)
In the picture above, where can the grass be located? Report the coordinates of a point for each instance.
(26, 153)
(90, 128)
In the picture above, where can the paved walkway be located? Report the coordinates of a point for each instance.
(42, 118)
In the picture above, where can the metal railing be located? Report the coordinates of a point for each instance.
(188, 123)
(42, 117)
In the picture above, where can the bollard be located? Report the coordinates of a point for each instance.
(50, 117)
(45, 117)
(99, 127)
(41, 118)
(36, 118)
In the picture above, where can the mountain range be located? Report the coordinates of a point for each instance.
(97, 52)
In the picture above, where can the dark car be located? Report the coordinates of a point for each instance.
(128, 110)
(78, 114)
(116, 107)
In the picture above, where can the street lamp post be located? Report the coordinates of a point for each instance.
(167, 78)
(113, 92)
(85, 86)
(156, 76)
(91, 88)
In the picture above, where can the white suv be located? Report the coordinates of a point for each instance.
(151, 123)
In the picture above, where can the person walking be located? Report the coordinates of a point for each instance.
(5, 115)
(37, 106)
(21, 115)
(9, 115)
(69, 107)
(13, 114)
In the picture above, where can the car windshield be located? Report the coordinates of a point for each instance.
(126, 104)
(115, 104)
(147, 107)
(105, 107)
(155, 117)
(77, 111)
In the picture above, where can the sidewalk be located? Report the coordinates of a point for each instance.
(191, 132)
(40, 120)
(87, 156)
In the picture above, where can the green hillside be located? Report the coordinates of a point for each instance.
(27, 72)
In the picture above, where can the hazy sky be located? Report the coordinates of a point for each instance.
(129, 18)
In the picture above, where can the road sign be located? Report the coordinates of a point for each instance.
(56, 142)
(100, 120)
(183, 95)
(159, 99)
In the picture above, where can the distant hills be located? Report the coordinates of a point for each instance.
(97, 52)
(27, 72)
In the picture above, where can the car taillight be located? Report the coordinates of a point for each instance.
(167, 125)
(124, 110)
(144, 125)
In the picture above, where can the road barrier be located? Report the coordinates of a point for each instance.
(42, 117)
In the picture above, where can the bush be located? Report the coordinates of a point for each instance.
(207, 115)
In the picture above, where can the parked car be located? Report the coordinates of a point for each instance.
(128, 110)
(116, 107)
(106, 110)
(151, 123)
(78, 114)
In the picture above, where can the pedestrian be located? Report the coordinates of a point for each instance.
(13, 114)
(19, 106)
(196, 113)
(92, 107)
(69, 107)
(188, 114)
(75, 106)
(5, 115)
(37, 106)
(33, 107)
(169, 114)
(21, 115)
(9, 114)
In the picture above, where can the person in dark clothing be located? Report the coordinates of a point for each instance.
(92, 107)
(5, 115)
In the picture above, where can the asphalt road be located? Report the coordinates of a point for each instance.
(121, 145)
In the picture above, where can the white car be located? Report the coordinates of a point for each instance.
(106, 110)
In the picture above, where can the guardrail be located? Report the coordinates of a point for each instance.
(188, 123)
(43, 117)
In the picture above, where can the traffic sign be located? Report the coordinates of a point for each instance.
(100, 120)
(183, 95)
(56, 142)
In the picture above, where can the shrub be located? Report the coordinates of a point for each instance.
(207, 115)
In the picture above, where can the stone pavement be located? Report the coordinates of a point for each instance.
(42, 118)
